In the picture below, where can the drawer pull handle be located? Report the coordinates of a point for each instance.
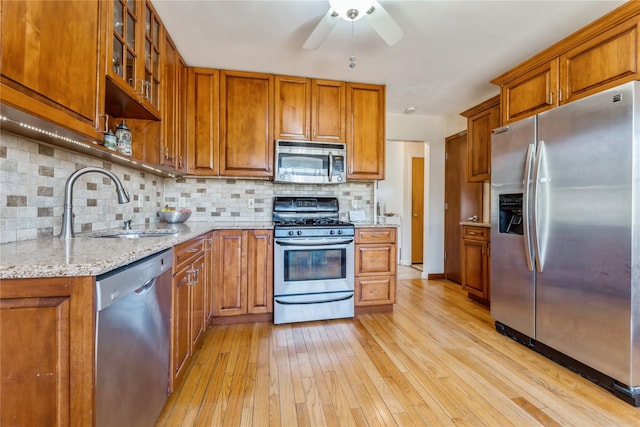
(472, 233)
(377, 291)
(193, 276)
(194, 250)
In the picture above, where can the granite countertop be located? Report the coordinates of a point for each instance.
(476, 224)
(90, 256)
(372, 225)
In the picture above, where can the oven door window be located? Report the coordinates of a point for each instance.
(315, 264)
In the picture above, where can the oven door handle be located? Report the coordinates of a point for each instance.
(314, 302)
(325, 242)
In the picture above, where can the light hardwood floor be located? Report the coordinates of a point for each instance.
(435, 361)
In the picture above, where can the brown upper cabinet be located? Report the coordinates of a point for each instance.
(203, 103)
(173, 145)
(49, 68)
(246, 124)
(310, 109)
(602, 55)
(132, 59)
(365, 131)
(531, 93)
(481, 120)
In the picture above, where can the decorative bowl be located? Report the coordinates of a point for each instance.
(174, 217)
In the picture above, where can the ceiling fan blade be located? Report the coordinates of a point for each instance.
(322, 30)
(384, 24)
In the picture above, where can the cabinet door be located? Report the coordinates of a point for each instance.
(181, 116)
(132, 59)
(328, 115)
(479, 130)
(198, 303)
(50, 68)
(259, 271)
(246, 124)
(475, 268)
(208, 275)
(149, 72)
(230, 283)
(604, 61)
(181, 343)
(530, 94)
(202, 106)
(47, 352)
(365, 131)
(293, 108)
(168, 152)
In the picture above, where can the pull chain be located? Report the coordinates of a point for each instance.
(352, 58)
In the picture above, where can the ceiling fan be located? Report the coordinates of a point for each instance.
(352, 10)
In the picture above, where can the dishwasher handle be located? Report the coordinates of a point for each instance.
(136, 277)
(145, 288)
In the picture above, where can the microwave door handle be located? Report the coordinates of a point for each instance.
(330, 166)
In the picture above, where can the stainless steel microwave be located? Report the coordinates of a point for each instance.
(307, 162)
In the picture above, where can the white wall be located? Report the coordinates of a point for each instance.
(418, 135)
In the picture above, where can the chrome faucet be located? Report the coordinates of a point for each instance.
(67, 216)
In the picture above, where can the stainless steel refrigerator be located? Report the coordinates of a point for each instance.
(565, 236)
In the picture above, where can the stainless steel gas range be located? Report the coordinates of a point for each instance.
(313, 260)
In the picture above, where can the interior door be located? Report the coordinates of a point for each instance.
(417, 209)
(462, 200)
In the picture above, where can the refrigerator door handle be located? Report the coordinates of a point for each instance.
(526, 182)
(535, 193)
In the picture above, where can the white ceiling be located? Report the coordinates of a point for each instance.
(442, 66)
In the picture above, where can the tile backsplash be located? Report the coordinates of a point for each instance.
(33, 176)
(32, 180)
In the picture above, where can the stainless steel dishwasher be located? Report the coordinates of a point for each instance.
(132, 342)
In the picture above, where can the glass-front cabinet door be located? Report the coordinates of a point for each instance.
(133, 60)
(151, 82)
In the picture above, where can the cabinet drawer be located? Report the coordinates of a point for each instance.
(476, 233)
(376, 235)
(375, 260)
(188, 251)
(375, 290)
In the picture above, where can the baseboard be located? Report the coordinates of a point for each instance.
(367, 309)
(244, 318)
(436, 276)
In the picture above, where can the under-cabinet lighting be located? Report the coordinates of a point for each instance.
(74, 141)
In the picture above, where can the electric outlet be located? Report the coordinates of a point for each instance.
(250, 203)
(139, 202)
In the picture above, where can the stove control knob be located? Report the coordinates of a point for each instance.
(299, 233)
(290, 233)
(339, 231)
(332, 232)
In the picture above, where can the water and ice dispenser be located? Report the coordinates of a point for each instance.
(510, 220)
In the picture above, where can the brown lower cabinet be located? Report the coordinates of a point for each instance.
(190, 290)
(47, 349)
(475, 262)
(243, 272)
(375, 267)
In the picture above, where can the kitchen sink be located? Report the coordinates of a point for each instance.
(135, 234)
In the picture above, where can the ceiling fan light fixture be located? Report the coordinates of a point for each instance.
(351, 10)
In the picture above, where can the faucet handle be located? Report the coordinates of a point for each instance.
(127, 224)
